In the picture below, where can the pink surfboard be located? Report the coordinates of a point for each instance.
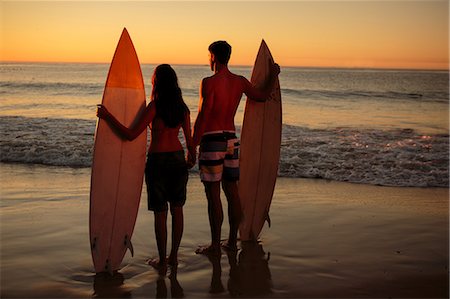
(260, 151)
(118, 165)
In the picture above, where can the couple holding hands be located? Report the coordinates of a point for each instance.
(166, 172)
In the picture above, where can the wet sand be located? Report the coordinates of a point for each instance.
(327, 240)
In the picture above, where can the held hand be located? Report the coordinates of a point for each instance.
(190, 164)
(191, 158)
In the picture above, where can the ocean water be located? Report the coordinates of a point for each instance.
(381, 127)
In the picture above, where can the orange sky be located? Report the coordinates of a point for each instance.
(391, 34)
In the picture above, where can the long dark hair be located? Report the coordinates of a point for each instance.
(166, 93)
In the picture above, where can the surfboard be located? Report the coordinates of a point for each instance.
(260, 151)
(118, 165)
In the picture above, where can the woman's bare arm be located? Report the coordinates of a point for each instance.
(128, 133)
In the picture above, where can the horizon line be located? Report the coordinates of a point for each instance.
(244, 65)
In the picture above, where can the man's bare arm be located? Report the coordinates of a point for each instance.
(261, 94)
(204, 108)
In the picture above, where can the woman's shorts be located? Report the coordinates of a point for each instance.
(166, 176)
(219, 157)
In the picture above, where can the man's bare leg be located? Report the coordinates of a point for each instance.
(234, 212)
(215, 213)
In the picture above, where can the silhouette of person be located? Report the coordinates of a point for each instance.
(166, 173)
(214, 130)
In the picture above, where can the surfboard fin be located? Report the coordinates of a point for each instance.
(108, 267)
(94, 246)
(268, 219)
(128, 245)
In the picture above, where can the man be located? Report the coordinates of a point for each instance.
(214, 130)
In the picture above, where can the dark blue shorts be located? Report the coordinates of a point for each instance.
(166, 176)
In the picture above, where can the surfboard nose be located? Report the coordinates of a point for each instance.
(124, 60)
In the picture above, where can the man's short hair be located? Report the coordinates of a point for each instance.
(221, 50)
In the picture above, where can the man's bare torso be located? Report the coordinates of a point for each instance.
(222, 94)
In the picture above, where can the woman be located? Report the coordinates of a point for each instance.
(166, 172)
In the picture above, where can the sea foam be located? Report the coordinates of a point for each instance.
(398, 157)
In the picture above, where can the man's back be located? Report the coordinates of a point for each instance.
(222, 93)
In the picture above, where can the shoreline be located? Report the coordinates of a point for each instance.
(328, 239)
(194, 172)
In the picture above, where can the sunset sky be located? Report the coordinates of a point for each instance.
(388, 34)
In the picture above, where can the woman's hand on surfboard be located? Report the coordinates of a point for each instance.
(102, 112)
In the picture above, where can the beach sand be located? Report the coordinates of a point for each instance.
(327, 240)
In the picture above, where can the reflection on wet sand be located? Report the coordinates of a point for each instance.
(249, 272)
(216, 280)
(176, 290)
(110, 286)
(114, 286)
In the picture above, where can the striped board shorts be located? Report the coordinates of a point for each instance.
(219, 157)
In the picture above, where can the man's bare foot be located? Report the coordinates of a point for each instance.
(229, 246)
(158, 265)
(209, 250)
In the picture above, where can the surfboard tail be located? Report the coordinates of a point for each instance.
(128, 245)
(260, 150)
(118, 166)
(269, 222)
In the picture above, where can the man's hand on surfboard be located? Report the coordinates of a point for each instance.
(276, 69)
(274, 72)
